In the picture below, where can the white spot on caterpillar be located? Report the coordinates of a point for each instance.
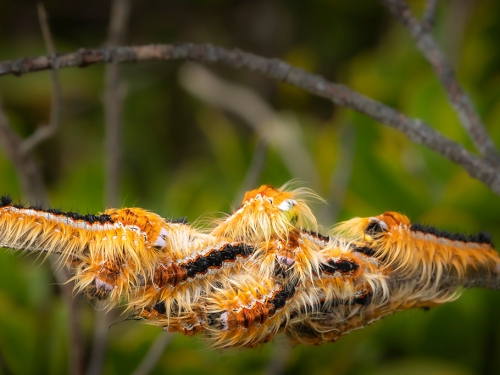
(382, 224)
(161, 240)
(224, 321)
(102, 285)
(287, 204)
(285, 260)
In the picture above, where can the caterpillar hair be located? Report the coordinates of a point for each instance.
(267, 212)
(423, 254)
(262, 270)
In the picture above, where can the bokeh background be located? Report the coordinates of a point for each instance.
(184, 156)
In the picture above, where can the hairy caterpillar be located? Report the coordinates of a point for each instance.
(260, 271)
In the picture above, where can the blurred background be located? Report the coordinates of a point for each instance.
(186, 152)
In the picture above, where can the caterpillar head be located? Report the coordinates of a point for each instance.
(385, 223)
(266, 212)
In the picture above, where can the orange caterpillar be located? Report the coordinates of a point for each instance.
(262, 270)
(424, 268)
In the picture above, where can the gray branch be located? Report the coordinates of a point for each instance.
(429, 16)
(458, 98)
(416, 130)
(113, 109)
(113, 103)
(47, 131)
(27, 169)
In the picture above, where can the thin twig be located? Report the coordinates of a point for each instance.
(46, 131)
(74, 305)
(429, 16)
(33, 187)
(113, 103)
(113, 109)
(154, 354)
(458, 98)
(27, 170)
(416, 130)
(279, 358)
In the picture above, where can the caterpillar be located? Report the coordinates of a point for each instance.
(263, 270)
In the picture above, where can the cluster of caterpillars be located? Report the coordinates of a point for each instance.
(260, 271)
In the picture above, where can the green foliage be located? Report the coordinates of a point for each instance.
(184, 158)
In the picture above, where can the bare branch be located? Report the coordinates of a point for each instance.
(153, 355)
(456, 95)
(479, 279)
(113, 109)
(27, 170)
(74, 305)
(47, 131)
(416, 130)
(429, 17)
(280, 357)
(33, 187)
(113, 103)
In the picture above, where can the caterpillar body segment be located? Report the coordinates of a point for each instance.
(344, 272)
(208, 261)
(298, 254)
(179, 285)
(247, 312)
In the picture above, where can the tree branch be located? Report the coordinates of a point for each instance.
(154, 354)
(113, 103)
(456, 95)
(27, 170)
(416, 130)
(429, 16)
(29, 174)
(33, 187)
(113, 109)
(46, 131)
